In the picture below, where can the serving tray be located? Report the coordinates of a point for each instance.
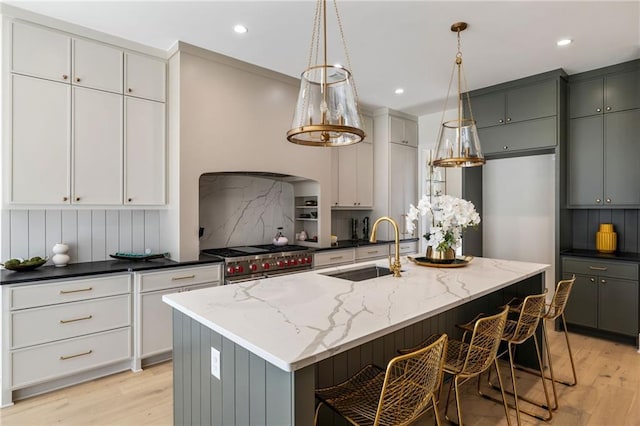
(137, 256)
(457, 263)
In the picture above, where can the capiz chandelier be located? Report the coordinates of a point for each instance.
(458, 142)
(326, 113)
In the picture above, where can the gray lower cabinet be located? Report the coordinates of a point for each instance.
(604, 296)
(603, 154)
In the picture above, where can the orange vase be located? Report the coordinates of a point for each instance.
(606, 238)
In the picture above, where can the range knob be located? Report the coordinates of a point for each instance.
(302, 260)
(266, 265)
(309, 260)
(230, 270)
(294, 262)
(253, 267)
(239, 269)
(280, 264)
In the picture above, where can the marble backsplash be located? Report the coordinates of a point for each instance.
(237, 210)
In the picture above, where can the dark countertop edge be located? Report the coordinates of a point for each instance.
(628, 256)
(75, 270)
(345, 244)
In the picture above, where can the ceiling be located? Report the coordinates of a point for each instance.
(391, 44)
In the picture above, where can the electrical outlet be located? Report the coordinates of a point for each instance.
(215, 363)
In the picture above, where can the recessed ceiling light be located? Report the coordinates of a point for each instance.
(240, 29)
(399, 91)
(564, 42)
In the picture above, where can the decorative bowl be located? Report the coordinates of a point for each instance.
(26, 265)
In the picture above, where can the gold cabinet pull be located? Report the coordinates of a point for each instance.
(76, 291)
(129, 90)
(78, 79)
(598, 268)
(64, 76)
(65, 357)
(186, 277)
(76, 319)
(65, 198)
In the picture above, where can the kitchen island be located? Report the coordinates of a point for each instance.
(279, 338)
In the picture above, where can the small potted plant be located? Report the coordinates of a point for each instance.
(448, 217)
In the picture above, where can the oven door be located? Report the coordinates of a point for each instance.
(236, 280)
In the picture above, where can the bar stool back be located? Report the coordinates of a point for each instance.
(397, 396)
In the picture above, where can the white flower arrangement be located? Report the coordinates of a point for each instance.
(448, 216)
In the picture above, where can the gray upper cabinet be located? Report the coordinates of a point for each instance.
(518, 117)
(528, 102)
(616, 92)
(603, 145)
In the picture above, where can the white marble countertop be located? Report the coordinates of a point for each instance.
(296, 320)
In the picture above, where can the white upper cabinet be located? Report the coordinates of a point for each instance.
(40, 141)
(68, 122)
(40, 53)
(97, 147)
(145, 77)
(352, 172)
(144, 152)
(97, 66)
(403, 131)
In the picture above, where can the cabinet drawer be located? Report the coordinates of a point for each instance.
(33, 295)
(46, 362)
(334, 258)
(406, 248)
(178, 277)
(372, 252)
(63, 321)
(622, 270)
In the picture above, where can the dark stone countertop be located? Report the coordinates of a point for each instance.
(343, 244)
(628, 256)
(74, 270)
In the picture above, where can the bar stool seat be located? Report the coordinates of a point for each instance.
(395, 396)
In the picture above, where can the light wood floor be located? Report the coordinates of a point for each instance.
(608, 393)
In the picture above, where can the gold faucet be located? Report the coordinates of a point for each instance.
(395, 266)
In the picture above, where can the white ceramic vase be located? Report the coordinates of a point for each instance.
(60, 257)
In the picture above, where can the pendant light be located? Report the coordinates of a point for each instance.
(458, 143)
(326, 113)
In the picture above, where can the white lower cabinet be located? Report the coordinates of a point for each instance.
(153, 331)
(372, 252)
(326, 259)
(53, 330)
(47, 362)
(407, 247)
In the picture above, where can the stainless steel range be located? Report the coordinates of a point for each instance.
(261, 261)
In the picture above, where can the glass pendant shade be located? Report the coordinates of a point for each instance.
(326, 113)
(458, 142)
(458, 145)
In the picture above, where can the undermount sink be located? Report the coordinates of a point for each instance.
(361, 274)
